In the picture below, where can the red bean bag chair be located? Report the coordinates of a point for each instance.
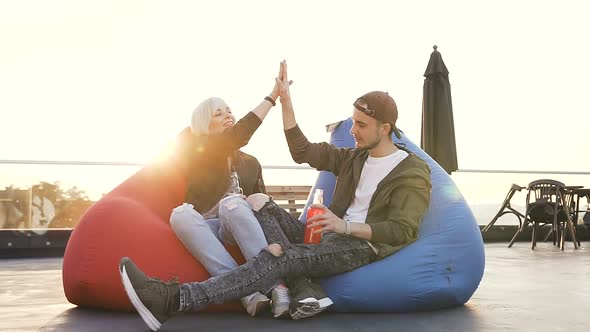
(132, 220)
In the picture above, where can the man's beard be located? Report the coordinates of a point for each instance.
(372, 145)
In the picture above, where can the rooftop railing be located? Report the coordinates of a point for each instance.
(484, 189)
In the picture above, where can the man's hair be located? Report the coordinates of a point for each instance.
(203, 113)
(363, 103)
(379, 122)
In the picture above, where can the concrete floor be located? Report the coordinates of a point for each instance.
(522, 290)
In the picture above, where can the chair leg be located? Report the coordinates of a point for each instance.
(547, 236)
(534, 235)
(524, 224)
(563, 228)
(513, 238)
(505, 208)
(570, 227)
(491, 223)
(562, 239)
(575, 232)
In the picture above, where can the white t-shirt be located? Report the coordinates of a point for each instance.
(374, 170)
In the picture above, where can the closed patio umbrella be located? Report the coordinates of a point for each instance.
(438, 129)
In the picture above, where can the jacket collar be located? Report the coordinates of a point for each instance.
(358, 163)
(357, 167)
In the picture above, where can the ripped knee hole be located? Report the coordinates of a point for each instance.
(275, 249)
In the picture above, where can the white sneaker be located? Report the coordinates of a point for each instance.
(280, 301)
(255, 303)
(309, 307)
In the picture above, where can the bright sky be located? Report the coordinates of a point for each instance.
(117, 80)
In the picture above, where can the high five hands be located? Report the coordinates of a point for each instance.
(282, 83)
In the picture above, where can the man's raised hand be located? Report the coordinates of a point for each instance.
(283, 82)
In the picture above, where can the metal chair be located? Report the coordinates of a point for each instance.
(546, 204)
(506, 208)
(571, 199)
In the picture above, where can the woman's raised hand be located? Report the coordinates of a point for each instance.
(275, 90)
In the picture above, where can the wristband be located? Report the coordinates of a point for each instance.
(272, 101)
(347, 228)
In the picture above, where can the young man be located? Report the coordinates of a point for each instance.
(381, 195)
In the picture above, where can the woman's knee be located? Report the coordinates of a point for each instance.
(185, 215)
(275, 249)
(257, 201)
(233, 204)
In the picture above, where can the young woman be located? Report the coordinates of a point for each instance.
(220, 177)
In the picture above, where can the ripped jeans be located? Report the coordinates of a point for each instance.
(205, 238)
(334, 255)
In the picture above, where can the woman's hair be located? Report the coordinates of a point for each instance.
(203, 113)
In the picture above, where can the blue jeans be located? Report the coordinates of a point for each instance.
(335, 254)
(204, 238)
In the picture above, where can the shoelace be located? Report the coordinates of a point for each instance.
(283, 294)
(163, 288)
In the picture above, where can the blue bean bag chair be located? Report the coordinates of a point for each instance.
(441, 269)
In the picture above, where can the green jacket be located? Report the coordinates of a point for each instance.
(398, 204)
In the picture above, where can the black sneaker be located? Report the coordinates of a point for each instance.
(307, 299)
(153, 299)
